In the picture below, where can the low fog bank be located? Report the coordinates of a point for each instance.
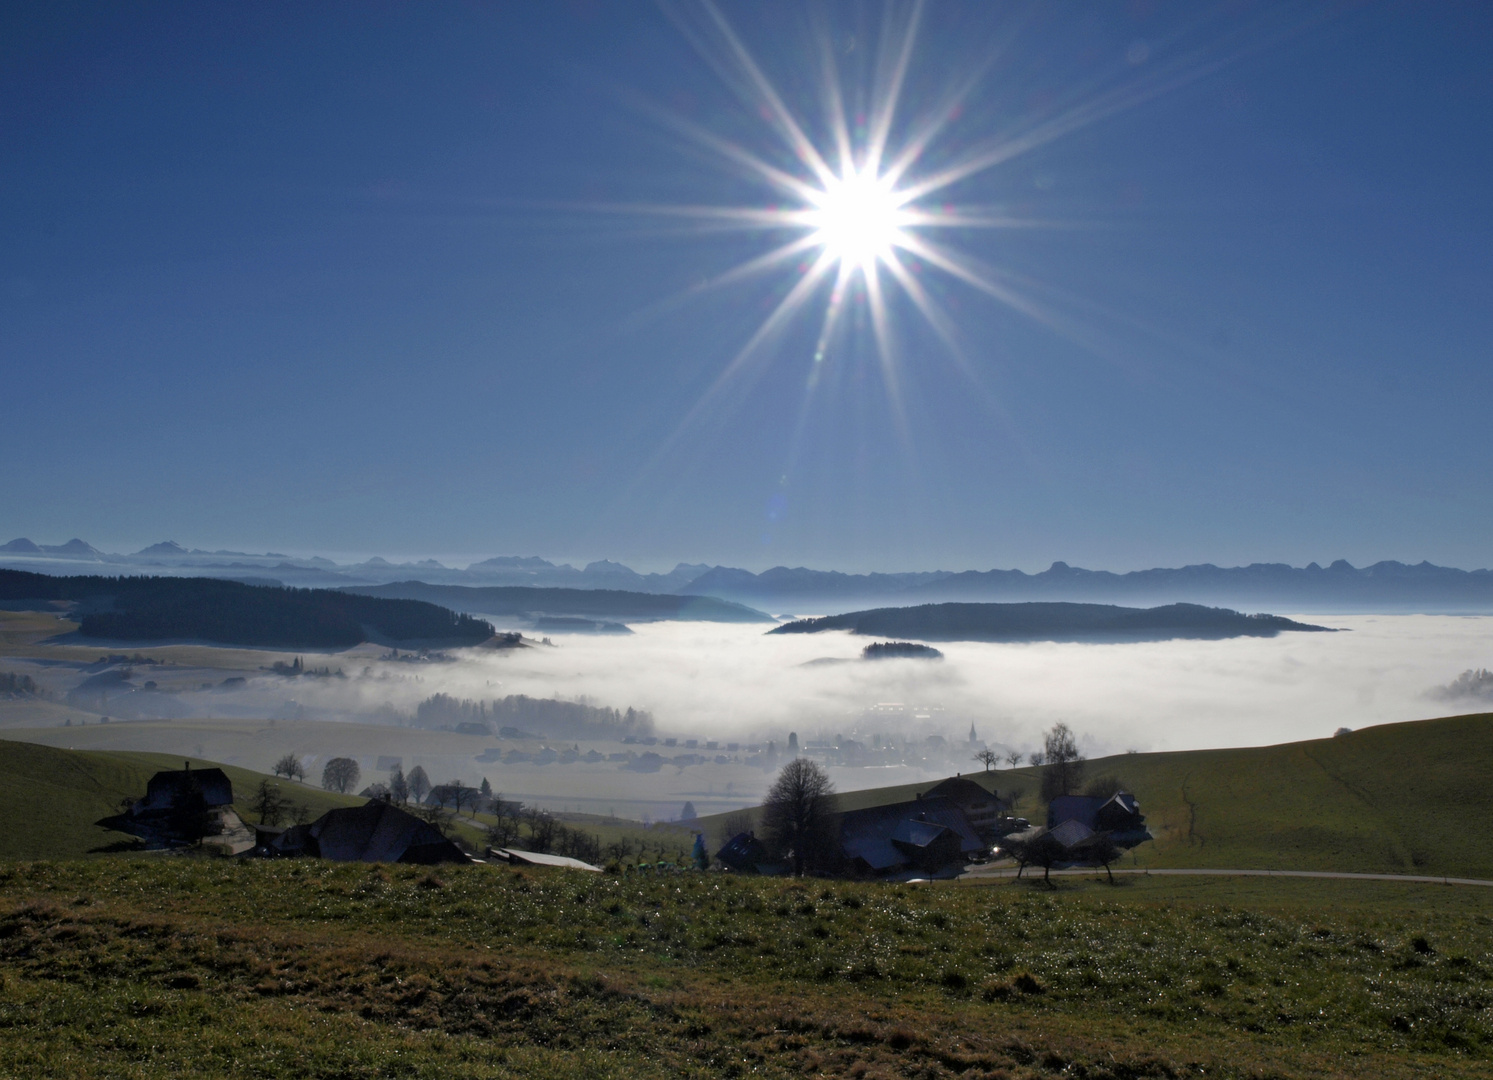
(713, 706)
(715, 680)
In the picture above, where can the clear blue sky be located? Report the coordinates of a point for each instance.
(339, 278)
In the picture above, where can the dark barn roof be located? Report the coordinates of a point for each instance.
(1119, 815)
(377, 831)
(168, 787)
(742, 853)
(963, 791)
(885, 838)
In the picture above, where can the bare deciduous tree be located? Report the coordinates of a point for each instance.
(290, 767)
(268, 803)
(1064, 771)
(1015, 758)
(541, 829)
(418, 783)
(736, 823)
(438, 816)
(459, 795)
(796, 814)
(988, 758)
(341, 774)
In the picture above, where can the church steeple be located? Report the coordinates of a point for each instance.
(972, 737)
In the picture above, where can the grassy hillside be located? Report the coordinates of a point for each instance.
(1398, 798)
(50, 798)
(140, 968)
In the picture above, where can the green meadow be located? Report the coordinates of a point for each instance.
(147, 966)
(141, 965)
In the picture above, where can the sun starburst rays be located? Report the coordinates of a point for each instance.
(853, 202)
(860, 213)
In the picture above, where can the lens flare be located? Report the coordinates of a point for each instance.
(858, 220)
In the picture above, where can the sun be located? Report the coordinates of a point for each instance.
(857, 219)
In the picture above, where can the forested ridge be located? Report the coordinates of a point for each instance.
(232, 613)
(1048, 622)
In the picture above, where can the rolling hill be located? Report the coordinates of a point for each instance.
(50, 798)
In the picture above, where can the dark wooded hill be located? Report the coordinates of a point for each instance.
(1048, 622)
(231, 613)
(598, 603)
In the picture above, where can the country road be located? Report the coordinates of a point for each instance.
(1010, 872)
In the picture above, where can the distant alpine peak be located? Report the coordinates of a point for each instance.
(165, 547)
(607, 566)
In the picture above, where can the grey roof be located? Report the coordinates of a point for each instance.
(868, 834)
(917, 833)
(1071, 833)
(535, 858)
(1073, 808)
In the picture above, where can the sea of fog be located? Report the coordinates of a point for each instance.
(711, 680)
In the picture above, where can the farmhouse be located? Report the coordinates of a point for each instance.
(185, 806)
(377, 831)
(927, 835)
(983, 808)
(1119, 816)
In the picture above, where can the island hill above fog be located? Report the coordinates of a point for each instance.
(1049, 622)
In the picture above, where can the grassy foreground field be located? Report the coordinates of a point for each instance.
(144, 967)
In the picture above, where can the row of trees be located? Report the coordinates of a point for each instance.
(554, 718)
(544, 833)
(13, 685)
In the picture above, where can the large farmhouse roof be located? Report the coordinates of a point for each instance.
(963, 791)
(169, 787)
(377, 831)
(871, 835)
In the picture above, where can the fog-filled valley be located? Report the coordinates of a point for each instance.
(704, 712)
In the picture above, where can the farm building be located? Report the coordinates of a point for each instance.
(377, 831)
(1119, 816)
(185, 806)
(926, 835)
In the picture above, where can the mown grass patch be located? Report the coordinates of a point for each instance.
(211, 967)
